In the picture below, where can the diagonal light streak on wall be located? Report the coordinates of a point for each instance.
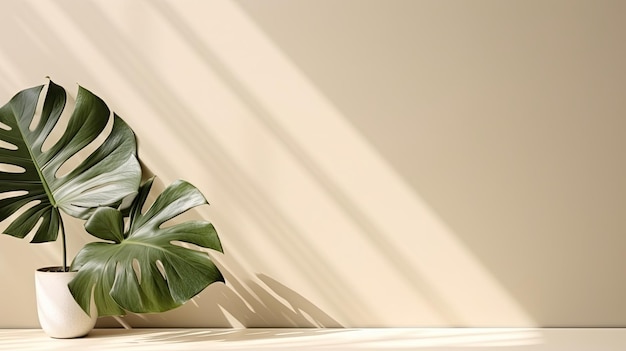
(297, 193)
(345, 166)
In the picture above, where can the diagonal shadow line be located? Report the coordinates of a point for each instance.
(373, 233)
(129, 61)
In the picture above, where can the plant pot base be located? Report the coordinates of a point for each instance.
(60, 316)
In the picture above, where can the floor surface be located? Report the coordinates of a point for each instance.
(487, 339)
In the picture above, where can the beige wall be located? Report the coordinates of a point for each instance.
(368, 163)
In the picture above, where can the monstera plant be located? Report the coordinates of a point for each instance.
(139, 264)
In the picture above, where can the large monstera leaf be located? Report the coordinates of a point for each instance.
(31, 183)
(144, 269)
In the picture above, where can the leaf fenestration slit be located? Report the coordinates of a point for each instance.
(8, 168)
(161, 269)
(60, 125)
(10, 194)
(32, 232)
(137, 269)
(38, 109)
(75, 160)
(8, 146)
(14, 216)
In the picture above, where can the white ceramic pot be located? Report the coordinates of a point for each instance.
(59, 314)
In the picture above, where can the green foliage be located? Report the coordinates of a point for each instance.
(142, 270)
(106, 176)
(143, 266)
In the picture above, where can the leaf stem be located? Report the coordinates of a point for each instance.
(64, 247)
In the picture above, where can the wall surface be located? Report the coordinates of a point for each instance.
(368, 162)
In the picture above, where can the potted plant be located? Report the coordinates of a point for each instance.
(141, 265)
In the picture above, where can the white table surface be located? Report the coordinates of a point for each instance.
(475, 339)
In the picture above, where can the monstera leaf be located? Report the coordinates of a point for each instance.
(30, 181)
(142, 269)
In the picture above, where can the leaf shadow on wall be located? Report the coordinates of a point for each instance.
(246, 300)
(242, 189)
